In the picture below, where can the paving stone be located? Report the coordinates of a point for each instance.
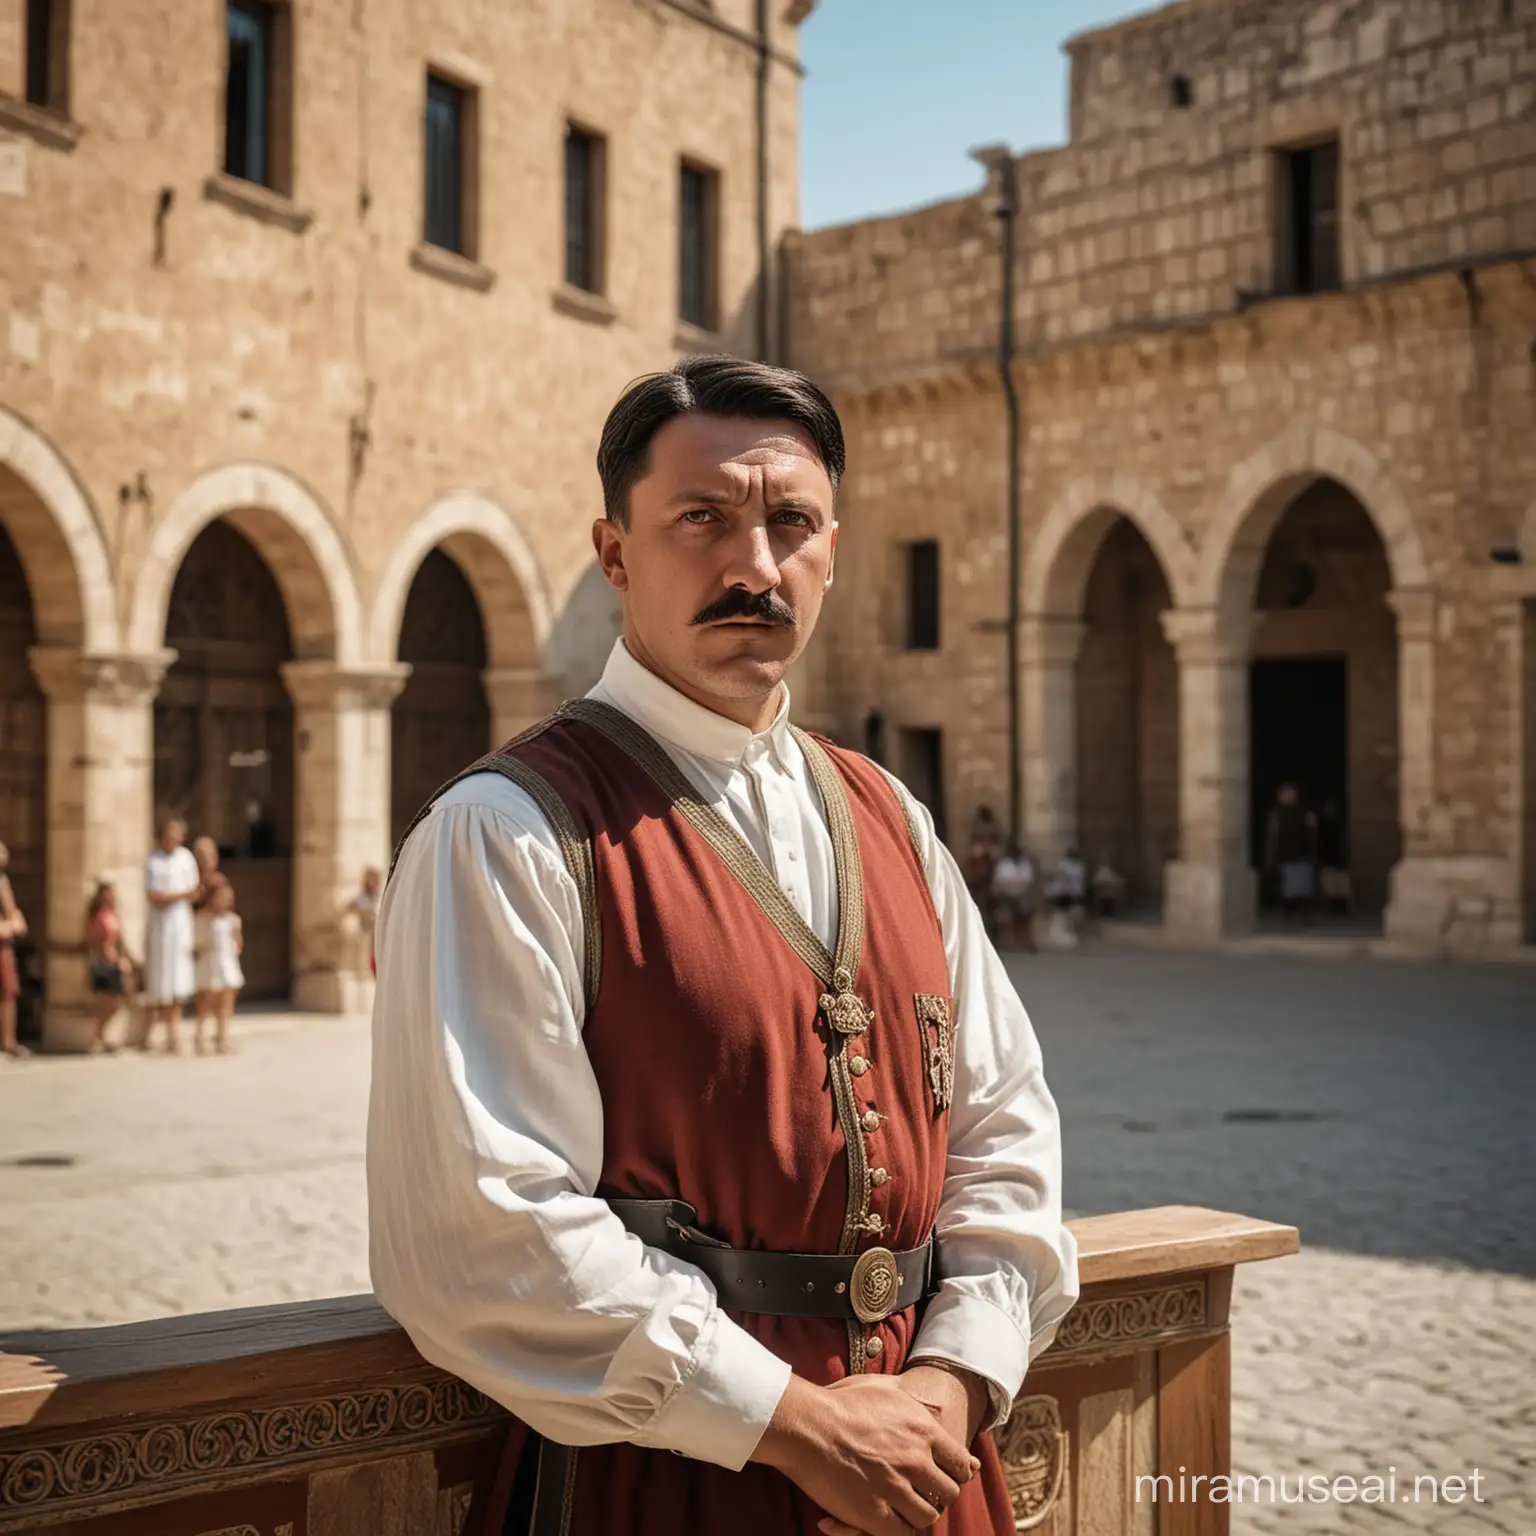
(1400, 1336)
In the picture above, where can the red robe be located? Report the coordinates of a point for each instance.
(720, 1085)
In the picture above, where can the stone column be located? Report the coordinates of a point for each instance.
(341, 810)
(1440, 899)
(1210, 891)
(101, 784)
(519, 697)
(1049, 649)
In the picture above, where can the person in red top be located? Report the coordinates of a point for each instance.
(13, 926)
(111, 967)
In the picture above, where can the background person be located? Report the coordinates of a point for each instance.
(1013, 894)
(220, 942)
(171, 881)
(1290, 850)
(109, 962)
(13, 926)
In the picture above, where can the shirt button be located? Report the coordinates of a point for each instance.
(872, 1346)
(871, 1120)
(794, 857)
(878, 1176)
(858, 1065)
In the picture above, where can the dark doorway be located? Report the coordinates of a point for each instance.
(441, 722)
(1298, 732)
(224, 737)
(922, 771)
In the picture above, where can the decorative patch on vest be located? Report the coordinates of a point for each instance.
(937, 1033)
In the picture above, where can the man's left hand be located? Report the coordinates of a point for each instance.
(958, 1399)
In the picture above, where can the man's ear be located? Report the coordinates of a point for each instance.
(608, 541)
(831, 558)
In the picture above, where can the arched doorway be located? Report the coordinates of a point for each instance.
(224, 736)
(441, 722)
(23, 777)
(1323, 692)
(1127, 703)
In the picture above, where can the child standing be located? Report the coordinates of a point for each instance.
(219, 977)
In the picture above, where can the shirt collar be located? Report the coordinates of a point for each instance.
(674, 717)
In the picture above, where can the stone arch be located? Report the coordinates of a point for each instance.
(58, 539)
(486, 543)
(1260, 489)
(1061, 555)
(292, 532)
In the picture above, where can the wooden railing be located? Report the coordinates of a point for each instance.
(320, 1419)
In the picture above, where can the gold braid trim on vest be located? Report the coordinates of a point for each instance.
(843, 1012)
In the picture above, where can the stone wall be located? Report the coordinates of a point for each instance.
(178, 347)
(1201, 408)
(1156, 213)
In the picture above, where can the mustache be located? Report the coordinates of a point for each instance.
(738, 603)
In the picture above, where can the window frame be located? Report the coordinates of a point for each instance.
(467, 101)
(275, 18)
(923, 610)
(51, 93)
(592, 278)
(706, 316)
(1308, 253)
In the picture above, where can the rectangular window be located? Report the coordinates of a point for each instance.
(1307, 229)
(450, 158)
(258, 94)
(47, 46)
(923, 595)
(921, 769)
(698, 223)
(584, 166)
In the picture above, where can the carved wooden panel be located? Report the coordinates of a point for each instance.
(215, 1452)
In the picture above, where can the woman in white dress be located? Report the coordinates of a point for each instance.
(170, 883)
(219, 976)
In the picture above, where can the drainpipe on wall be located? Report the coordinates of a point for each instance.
(1006, 210)
(764, 251)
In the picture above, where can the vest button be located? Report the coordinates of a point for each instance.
(873, 1345)
(871, 1120)
(858, 1065)
(878, 1176)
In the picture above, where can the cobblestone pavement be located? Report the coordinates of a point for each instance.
(1382, 1108)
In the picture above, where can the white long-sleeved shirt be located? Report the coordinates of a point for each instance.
(485, 1126)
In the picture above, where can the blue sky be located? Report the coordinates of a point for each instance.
(898, 91)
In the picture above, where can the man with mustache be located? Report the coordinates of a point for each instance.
(707, 1133)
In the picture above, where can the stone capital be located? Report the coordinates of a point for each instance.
(1046, 640)
(1210, 636)
(70, 676)
(1415, 608)
(322, 685)
(521, 691)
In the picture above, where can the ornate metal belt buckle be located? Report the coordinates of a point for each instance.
(874, 1284)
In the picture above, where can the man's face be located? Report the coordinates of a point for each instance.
(173, 836)
(726, 558)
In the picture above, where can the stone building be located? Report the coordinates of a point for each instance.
(312, 314)
(1275, 365)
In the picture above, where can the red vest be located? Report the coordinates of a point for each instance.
(726, 1082)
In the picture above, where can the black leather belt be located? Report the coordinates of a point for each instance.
(868, 1286)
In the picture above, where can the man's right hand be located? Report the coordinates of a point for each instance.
(867, 1452)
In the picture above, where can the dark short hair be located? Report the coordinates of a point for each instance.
(710, 386)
